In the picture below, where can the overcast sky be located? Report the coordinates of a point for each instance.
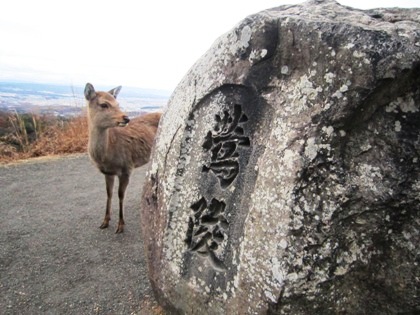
(149, 44)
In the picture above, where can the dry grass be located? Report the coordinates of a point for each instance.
(30, 135)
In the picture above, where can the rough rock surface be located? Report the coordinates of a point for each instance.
(286, 174)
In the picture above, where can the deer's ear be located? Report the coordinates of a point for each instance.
(89, 92)
(114, 92)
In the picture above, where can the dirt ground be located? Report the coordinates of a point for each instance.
(54, 259)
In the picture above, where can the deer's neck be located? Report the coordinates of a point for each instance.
(98, 143)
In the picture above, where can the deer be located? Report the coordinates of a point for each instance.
(117, 144)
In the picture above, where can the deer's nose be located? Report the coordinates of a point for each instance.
(126, 119)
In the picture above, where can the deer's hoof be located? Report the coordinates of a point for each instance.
(104, 226)
(120, 229)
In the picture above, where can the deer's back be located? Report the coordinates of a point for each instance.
(150, 119)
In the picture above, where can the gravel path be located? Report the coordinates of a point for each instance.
(54, 259)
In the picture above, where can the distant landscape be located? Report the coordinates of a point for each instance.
(46, 119)
(68, 100)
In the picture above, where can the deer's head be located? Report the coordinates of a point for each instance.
(103, 108)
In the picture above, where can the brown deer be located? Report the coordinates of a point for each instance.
(117, 144)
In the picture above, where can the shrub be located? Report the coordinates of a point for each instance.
(29, 135)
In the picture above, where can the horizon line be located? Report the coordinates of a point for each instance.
(23, 81)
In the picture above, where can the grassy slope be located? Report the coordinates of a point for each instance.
(26, 136)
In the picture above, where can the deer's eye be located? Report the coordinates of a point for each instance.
(104, 105)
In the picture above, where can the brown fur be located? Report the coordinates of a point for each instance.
(117, 150)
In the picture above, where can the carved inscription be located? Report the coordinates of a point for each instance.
(223, 143)
(208, 226)
(206, 229)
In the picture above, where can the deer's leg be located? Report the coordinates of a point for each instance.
(124, 179)
(109, 181)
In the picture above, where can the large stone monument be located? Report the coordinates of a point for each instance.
(286, 173)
